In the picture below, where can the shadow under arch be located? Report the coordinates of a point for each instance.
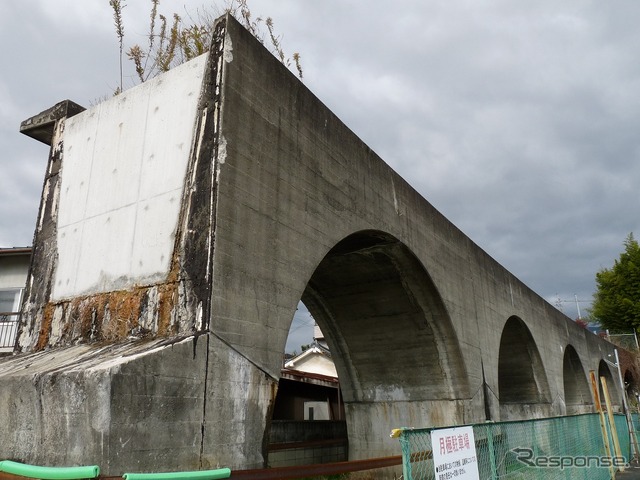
(631, 386)
(577, 394)
(612, 385)
(523, 387)
(395, 348)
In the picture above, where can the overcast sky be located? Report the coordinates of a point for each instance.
(519, 121)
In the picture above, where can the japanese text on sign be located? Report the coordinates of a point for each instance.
(454, 454)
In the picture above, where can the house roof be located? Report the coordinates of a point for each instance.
(308, 377)
(15, 251)
(315, 349)
(316, 360)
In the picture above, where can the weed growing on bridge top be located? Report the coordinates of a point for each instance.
(173, 42)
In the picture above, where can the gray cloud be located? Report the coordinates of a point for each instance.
(517, 120)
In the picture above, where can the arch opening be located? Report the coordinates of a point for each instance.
(631, 387)
(390, 336)
(385, 322)
(577, 395)
(522, 382)
(612, 385)
(308, 418)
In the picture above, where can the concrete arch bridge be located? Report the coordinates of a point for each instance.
(181, 223)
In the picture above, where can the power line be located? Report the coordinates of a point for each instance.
(560, 301)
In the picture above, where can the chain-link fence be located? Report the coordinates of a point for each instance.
(628, 341)
(635, 420)
(565, 448)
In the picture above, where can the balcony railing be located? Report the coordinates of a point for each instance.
(8, 330)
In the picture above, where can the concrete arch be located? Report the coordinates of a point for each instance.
(390, 335)
(577, 395)
(612, 384)
(523, 388)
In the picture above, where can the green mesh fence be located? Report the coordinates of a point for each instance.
(622, 427)
(565, 448)
(635, 417)
(635, 431)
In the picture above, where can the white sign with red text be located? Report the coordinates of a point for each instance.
(454, 454)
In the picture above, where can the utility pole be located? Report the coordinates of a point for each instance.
(575, 300)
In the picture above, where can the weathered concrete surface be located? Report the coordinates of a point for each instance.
(106, 405)
(278, 201)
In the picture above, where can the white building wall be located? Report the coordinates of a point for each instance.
(318, 364)
(121, 185)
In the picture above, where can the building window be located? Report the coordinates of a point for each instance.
(10, 300)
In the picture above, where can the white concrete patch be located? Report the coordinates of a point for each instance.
(387, 393)
(124, 166)
(129, 354)
(56, 325)
(222, 155)
(101, 416)
(228, 48)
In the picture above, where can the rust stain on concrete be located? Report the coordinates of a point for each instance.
(110, 317)
(45, 329)
(124, 309)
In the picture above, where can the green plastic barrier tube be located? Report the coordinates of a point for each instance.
(195, 475)
(49, 473)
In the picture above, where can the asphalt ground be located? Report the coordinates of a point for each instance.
(630, 473)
